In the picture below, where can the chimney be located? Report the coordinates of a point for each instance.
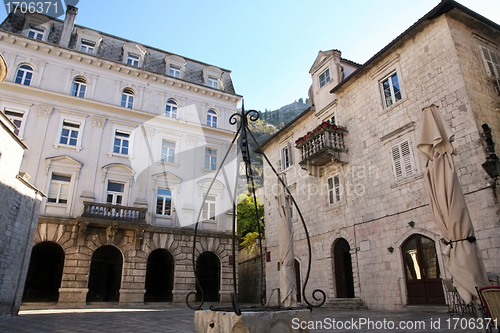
(69, 23)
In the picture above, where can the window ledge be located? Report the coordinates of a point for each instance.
(61, 145)
(208, 170)
(407, 180)
(120, 155)
(175, 165)
(337, 205)
(55, 204)
(391, 107)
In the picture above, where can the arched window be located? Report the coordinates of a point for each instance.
(79, 86)
(171, 109)
(24, 75)
(212, 118)
(127, 98)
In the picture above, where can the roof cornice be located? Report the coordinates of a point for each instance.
(56, 50)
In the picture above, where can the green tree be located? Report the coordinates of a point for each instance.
(246, 216)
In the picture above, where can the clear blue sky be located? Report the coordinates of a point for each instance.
(269, 45)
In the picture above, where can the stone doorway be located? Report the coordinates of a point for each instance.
(422, 273)
(344, 281)
(44, 273)
(159, 276)
(105, 275)
(208, 272)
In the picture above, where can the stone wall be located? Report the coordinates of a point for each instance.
(375, 209)
(249, 273)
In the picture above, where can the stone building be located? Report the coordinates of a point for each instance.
(19, 205)
(352, 165)
(125, 140)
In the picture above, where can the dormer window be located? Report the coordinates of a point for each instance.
(174, 71)
(213, 82)
(36, 33)
(324, 77)
(87, 46)
(133, 59)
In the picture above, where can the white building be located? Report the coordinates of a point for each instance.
(125, 140)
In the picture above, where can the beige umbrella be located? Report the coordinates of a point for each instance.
(461, 254)
(288, 288)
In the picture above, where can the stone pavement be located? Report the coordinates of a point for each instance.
(179, 319)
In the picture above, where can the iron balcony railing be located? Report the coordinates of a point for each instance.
(322, 145)
(107, 211)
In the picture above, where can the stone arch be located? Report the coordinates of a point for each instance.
(209, 274)
(329, 257)
(105, 274)
(159, 282)
(45, 271)
(342, 268)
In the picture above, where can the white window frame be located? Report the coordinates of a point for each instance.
(213, 82)
(74, 118)
(393, 97)
(212, 118)
(403, 163)
(324, 78)
(135, 50)
(171, 152)
(87, 46)
(59, 184)
(211, 153)
(125, 136)
(171, 109)
(174, 71)
(285, 155)
(334, 189)
(36, 32)
(164, 198)
(17, 118)
(492, 64)
(208, 205)
(70, 127)
(133, 59)
(128, 94)
(115, 194)
(25, 72)
(79, 87)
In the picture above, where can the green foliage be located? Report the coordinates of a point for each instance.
(246, 217)
(249, 242)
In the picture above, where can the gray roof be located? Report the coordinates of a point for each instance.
(111, 48)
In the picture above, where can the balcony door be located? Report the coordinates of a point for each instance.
(422, 271)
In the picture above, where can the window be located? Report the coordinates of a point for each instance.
(16, 117)
(285, 153)
(36, 33)
(133, 59)
(210, 159)
(491, 61)
(402, 160)
(174, 71)
(164, 202)
(334, 190)
(213, 82)
(69, 133)
(324, 77)
(79, 87)
(212, 118)
(171, 109)
(87, 46)
(59, 189)
(24, 75)
(209, 208)
(121, 142)
(167, 151)
(127, 98)
(114, 194)
(391, 90)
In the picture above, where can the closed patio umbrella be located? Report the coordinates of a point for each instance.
(461, 254)
(287, 284)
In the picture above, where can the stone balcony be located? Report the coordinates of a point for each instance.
(321, 146)
(105, 211)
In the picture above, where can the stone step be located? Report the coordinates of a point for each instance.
(345, 303)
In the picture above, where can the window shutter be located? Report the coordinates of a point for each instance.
(491, 62)
(290, 155)
(280, 157)
(396, 160)
(336, 181)
(407, 160)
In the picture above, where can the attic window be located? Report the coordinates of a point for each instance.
(87, 46)
(133, 59)
(36, 33)
(324, 77)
